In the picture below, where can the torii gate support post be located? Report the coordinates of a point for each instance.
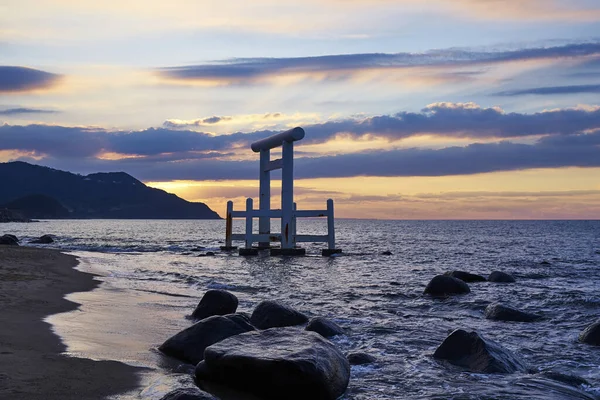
(288, 237)
(229, 228)
(264, 201)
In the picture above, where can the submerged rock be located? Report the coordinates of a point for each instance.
(359, 358)
(9, 240)
(473, 352)
(591, 334)
(272, 314)
(44, 239)
(278, 363)
(465, 276)
(556, 386)
(501, 277)
(215, 302)
(442, 285)
(386, 253)
(189, 344)
(570, 380)
(324, 327)
(500, 312)
(188, 394)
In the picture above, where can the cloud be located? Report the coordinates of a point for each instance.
(446, 120)
(249, 70)
(577, 150)
(23, 110)
(22, 79)
(176, 123)
(550, 90)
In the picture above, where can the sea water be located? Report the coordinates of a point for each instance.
(154, 273)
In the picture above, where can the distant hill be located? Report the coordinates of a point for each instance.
(38, 206)
(34, 190)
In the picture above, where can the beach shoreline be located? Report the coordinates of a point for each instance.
(33, 285)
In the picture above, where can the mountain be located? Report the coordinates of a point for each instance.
(36, 189)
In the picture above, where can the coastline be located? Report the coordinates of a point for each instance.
(33, 283)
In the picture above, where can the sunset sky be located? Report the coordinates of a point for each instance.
(439, 109)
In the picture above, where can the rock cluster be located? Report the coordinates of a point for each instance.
(265, 355)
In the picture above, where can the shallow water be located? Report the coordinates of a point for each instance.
(153, 278)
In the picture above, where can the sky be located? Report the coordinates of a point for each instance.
(439, 109)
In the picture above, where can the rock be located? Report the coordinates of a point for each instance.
(44, 239)
(272, 314)
(9, 240)
(324, 327)
(591, 334)
(187, 394)
(13, 237)
(358, 358)
(465, 276)
(210, 253)
(278, 363)
(501, 277)
(189, 344)
(7, 215)
(473, 352)
(386, 253)
(215, 302)
(442, 285)
(500, 312)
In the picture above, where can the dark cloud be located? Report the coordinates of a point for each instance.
(440, 119)
(579, 150)
(247, 69)
(22, 110)
(573, 89)
(21, 79)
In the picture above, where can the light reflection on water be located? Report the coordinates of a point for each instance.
(377, 298)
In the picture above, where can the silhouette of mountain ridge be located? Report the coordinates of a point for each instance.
(107, 195)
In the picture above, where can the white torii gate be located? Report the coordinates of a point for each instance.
(287, 213)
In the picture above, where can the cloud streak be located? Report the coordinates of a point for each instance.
(248, 70)
(552, 90)
(15, 79)
(24, 110)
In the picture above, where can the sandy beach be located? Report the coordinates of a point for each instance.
(33, 283)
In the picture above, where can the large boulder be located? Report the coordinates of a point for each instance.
(44, 239)
(501, 277)
(189, 344)
(591, 334)
(500, 312)
(324, 327)
(465, 276)
(10, 240)
(473, 352)
(442, 285)
(272, 314)
(215, 302)
(188, 394)
(278, 363)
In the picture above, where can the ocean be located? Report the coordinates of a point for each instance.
(154, 273)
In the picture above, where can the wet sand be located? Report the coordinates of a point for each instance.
(33, 283)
